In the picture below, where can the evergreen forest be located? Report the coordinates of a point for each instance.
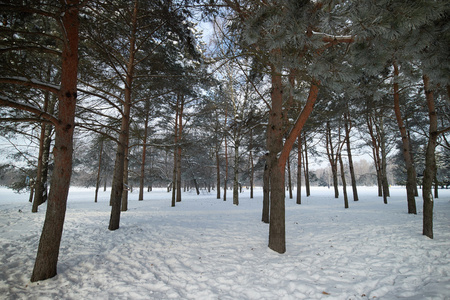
(220, 96)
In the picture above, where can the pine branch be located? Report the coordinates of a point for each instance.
(4, 101)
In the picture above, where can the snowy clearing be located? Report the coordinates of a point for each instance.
(206, 248)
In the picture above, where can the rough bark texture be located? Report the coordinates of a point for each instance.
(430, 162)
(47, 255)
(410, 171)
(277, 235)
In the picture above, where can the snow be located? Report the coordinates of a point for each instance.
(205, 248)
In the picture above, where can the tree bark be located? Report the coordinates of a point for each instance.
(289, 179)
(277, 232)
(266, 192)
(306, 167)
(344, 182)
(410, 171)
(180, 130)
(47, 255)
(236, 173)
(349, 155)
(99, 169)
(40, 195)
(218, 173)
(127, 186)
(299, 169)
(175, 152)
(144, 154)
(117, 185)
(332, 158)
(430, 162)
(252, 169)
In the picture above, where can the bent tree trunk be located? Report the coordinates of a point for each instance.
(275, 133)
(410, 171)
(430, 162)
(47, 256)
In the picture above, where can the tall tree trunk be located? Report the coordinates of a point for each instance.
(275, 132)
(117, 184)
(180, 130)
(127, 186)
(349, 155)
(144, 153)
(218, 172)
(175, 152)
(344, 182)
(430, 162)
(252, 169)
(382, 143)
(236, 173)
(306, 167)
(44, 155)
(48, 251)
(410, 171)
(375, 153)
(99, 169)
(266, 192)
(332, 158)
(299, 169)
(289, 179)
(225, 183)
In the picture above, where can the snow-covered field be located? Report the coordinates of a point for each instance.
(206, 248)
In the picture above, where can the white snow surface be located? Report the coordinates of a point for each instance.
(205, 248)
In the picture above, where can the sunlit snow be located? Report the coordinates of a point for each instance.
(205, 248)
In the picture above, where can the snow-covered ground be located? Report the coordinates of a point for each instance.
(206, 248)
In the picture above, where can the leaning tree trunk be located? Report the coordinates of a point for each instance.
(332, 158)
(277, 232)
(376, 154)
(47, 255)
(430, 162)
(306, 167)
(349, 156)
(344, 182)
(44, 155)
(410, 171)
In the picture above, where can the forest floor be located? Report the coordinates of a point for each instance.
(205, 248)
